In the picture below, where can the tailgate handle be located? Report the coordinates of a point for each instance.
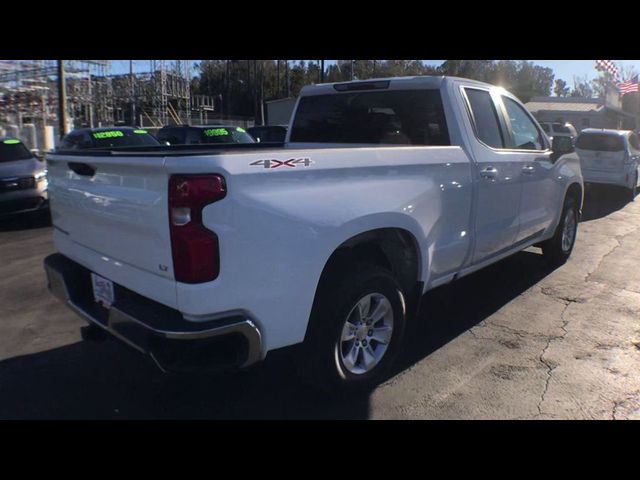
(82, 169)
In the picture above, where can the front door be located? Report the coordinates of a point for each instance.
(531, 153)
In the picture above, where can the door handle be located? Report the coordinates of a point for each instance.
(528, 169)
(489, 172)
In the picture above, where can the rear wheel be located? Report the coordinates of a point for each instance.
(356, 327)
(558, 248)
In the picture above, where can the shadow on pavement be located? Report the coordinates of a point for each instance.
(107, 380)
(26, 221)
(601, 200)
(452, 309)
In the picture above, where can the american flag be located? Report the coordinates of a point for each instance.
(608, 66)
(630, 85)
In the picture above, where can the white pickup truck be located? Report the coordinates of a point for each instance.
(215, 255)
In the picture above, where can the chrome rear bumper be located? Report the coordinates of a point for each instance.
(175, 344)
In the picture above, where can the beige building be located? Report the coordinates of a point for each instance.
(583, 112)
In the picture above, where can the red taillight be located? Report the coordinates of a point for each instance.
(195, 249)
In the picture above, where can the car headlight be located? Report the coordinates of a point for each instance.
(40, 175)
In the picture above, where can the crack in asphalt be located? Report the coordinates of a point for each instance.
(542, 360)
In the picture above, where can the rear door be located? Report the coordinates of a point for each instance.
(601, 152)
(499, 187)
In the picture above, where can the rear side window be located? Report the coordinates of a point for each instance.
(404, 117)
(600, 142)
(12, 150)
(485, 117)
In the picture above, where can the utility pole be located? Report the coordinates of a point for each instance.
(277, 78)
(286, 76)
(227, 103)
(133, 95)
(351, 69)
(321, 71)
(62, 100)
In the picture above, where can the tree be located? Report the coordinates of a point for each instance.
(561, 89)
(581, 87)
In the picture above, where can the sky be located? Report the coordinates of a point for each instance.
(564, 69)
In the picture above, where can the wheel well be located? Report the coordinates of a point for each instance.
(575, 191)
(391, 248)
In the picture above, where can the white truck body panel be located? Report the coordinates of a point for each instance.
(278, 227)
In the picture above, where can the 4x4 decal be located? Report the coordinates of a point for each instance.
(291, 163)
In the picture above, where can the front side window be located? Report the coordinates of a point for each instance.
(526, 135)
(485, 117)
(633, 140)
(404, 117)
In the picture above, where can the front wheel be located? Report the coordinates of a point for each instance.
(356, 327)
(559, 247)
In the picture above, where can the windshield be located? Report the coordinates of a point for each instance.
(409, 117)
(600, 142)
(12, 150)
(122, 138)
(225, 135)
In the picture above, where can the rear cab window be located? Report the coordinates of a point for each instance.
(390, 117)
(600, 142)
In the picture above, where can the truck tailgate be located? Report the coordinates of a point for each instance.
(119, 212)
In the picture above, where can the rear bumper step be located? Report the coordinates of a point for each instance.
(174, 343)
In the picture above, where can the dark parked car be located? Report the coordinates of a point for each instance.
(269, 133)
(107, 137)
(203, 134)
(23, 179)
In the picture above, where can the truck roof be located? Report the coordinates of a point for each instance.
(606, 131)
(416, 82)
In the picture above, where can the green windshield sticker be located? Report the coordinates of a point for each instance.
(140, 131)
(11, 142)
(241, 130)
(216, 132)
(109, 134)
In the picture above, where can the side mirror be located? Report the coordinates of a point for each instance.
(561, 146)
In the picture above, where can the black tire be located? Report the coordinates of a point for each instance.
(552, 248)
(319, 360)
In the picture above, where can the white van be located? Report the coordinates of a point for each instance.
(609, 157)
(557, 129)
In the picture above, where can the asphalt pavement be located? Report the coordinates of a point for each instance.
(513, 341)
